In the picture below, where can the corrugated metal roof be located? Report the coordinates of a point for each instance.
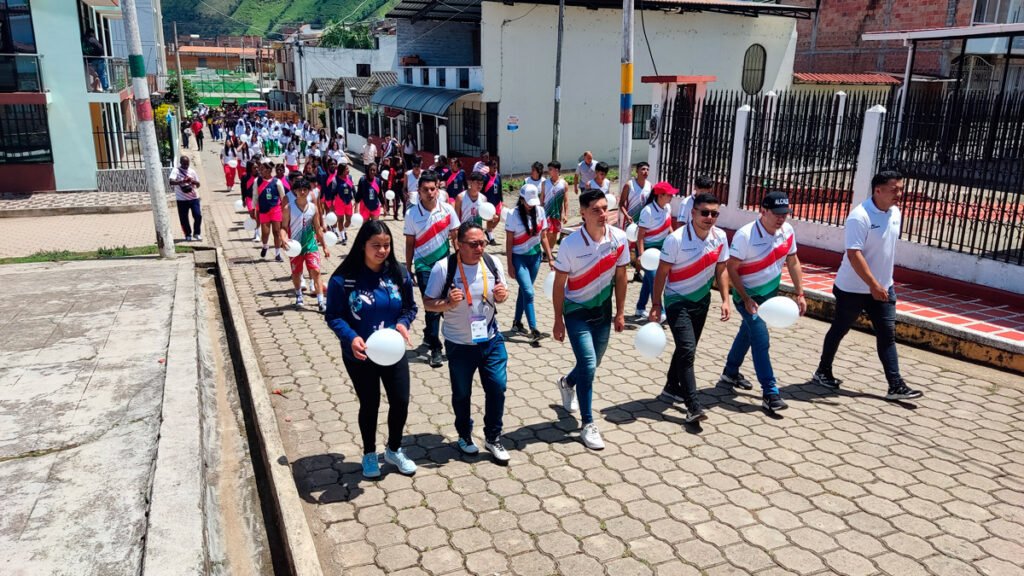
(432, 101)
(323, 85)
(352, 83)
(869, 79)
(469, 10)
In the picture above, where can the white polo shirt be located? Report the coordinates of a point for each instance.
(591, 266)
(430, 231)
(763, 256)
(874, 233)
(523, 243)
(457, 322)
(693, 263)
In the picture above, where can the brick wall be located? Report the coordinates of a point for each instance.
(439, 44)
(834, 44)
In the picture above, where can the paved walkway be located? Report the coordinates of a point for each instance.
(82, 370)
(77, 233)
(841, 483)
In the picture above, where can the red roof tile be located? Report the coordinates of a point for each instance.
(812, 78)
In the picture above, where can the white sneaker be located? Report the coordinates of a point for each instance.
(592, 437)
(641, 314)
(569, 400)
(497, 450)
(198, 237)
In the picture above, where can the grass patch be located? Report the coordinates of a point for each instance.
(100, 254)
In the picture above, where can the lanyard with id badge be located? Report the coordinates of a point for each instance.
(478, 322)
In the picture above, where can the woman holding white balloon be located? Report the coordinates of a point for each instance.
(524, 239)
(367, 294)
(305, 228)
(654, 226)
(229, 158)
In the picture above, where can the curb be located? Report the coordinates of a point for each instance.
(77, 210)
(294, 529)
(928, 335)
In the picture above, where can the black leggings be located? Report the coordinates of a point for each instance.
(367, 378)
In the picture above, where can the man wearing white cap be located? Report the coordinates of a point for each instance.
(524, 239)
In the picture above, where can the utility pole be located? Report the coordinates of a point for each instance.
(181, 83)
(259, 68)
(302, 85)
(626, 97)
(558, 81)
(147, 130)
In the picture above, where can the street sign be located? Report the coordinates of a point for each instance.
(512, 124)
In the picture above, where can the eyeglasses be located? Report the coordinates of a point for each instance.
(706, 213)
(477, 244)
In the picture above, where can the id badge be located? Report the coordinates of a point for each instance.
(478, 329)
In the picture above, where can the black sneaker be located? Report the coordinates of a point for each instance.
(737, 381)
(638, 278)
(671, 398)
(518, 328)
(435, 359)
(492, 242)
(695, 413)
(278, 258)
(535, 337)
(825, 379)
(263, 253)
(773, 403)
(900, 391)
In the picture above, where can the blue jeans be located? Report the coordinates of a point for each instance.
(646, 289)
(99, 66)
(588, 334)
(491, 359)
(526, 267)
(186, 207)
(433, 319)
(753, 336)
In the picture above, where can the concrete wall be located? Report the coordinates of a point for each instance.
(58, 39)
(338, 62)
(438, 44)
(518, 62)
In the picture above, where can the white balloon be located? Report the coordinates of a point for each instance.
(390, 195)
(505, 213)
(779, 312)
(330, 219)
(613, 202)
(442, 197)
(632, 231)
(385, 347)
(487, 210)
(384, 175)
(650, 340)
(330, 239)
(233, 163)
(549, 286)
(249, 224)
(650, 258)
(293, 249)
(239, 206)
(356, 221)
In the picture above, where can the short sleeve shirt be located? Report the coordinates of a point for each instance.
(762, 256)
(685, 210)
(586, 172)
(657, 222)
(430, 231)
(591, 266)
(874, 233)
(179, 193)
(457, 322)
(523, 243)
(693, 263)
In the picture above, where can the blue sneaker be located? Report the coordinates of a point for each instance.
(399, 460)
(371, 468)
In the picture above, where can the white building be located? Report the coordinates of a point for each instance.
(493, 60)
(298, 65)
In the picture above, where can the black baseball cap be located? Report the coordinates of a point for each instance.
(777, 202)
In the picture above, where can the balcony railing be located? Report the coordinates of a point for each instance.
(20, 73)
(453, 77)
(106, 74)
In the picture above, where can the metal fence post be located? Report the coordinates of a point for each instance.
(840, 117)
(739, 152)
(867, 158)
(771, 106)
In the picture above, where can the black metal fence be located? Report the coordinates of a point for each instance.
(467, 131)
(963, 159)
(806, 144)
(117, 150)
(24, 134)
(697, 139)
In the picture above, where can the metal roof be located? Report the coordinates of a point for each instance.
(322, 85)
(432, 101)
(469, 10)
(864, 79)
(446, 10)
(352, 83)
(951, 33)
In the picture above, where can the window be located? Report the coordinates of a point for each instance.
(471, 127)
(363, 70)
(16, 33)
(753, 69)
(425, 76)
(641, 117)
(408, 75)
(24, 134)
(994, 12)
(201, 62)
(464, 78)
(442, 79)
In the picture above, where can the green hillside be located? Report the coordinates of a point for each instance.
(263, 17)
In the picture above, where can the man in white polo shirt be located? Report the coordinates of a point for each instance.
(864, 283)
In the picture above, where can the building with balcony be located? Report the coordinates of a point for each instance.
(466, 67)
(66, 114)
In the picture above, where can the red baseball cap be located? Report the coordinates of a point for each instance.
(664, 188)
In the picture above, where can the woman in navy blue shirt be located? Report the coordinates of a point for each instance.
(369, 291)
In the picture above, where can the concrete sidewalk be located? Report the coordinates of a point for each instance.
(87, 350)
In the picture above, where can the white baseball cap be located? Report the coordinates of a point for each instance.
(530, 194)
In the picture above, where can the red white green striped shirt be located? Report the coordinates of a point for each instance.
(591, 266)
(431, 231)
(693, 263)
(763, 255)
(523, 243)
(657, 222)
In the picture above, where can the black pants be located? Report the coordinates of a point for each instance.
(401, 201)
(367, 378)
(849, 305)
(686, 321)
(199, 141)
(186, 206)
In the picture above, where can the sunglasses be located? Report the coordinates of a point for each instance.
(476, 244)
(706, 213)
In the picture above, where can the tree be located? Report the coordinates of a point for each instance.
(191, 94)
(341, 35)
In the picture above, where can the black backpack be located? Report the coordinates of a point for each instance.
(453, 265)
